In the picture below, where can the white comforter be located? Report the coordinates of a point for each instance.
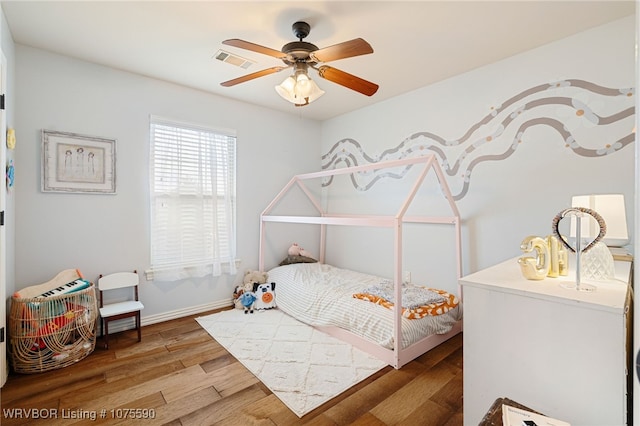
(320, 294)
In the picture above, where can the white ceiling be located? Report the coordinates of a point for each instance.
(416, 43)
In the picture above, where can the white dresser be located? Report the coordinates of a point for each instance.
(558, 351)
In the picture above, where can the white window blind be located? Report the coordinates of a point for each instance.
(193, 200)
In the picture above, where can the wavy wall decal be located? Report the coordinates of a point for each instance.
(510, 122)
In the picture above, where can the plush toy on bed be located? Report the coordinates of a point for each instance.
(250, 277)
(296, 250)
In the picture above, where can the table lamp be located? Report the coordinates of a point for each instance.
(597, 263)
(612, 209)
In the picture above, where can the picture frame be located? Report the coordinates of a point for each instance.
(78, 163)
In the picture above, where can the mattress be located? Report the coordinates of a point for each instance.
(322, 295)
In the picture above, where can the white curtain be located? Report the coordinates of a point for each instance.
(192, 200)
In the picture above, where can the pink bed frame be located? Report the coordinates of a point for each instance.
(396, 357)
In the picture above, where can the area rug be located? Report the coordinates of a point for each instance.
(302, 366)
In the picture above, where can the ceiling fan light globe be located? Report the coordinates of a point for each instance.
(303, 88)
(313, 92)
(299, 90)
(285, 89)
(288, 84)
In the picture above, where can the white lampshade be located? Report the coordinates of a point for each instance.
(612, 209)
(299, 89)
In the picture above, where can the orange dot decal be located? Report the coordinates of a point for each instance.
(267, 297)
(580, 112)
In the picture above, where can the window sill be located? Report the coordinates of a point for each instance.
(184, 273)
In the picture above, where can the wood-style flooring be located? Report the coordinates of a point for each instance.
(183, 374)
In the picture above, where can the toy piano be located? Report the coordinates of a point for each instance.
(52, 287)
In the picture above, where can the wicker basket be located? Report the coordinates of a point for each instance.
(52, 332)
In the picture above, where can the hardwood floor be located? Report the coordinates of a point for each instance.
(179, 371)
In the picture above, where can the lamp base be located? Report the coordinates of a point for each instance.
(597, 263)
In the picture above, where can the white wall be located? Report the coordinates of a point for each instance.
(108, 233)
(511, 198)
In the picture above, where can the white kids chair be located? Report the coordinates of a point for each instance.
(119, 310)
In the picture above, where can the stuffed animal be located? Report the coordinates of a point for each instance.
(294, 250)
(237, 292)
(265, 296)
(248, 299)
(250, 277)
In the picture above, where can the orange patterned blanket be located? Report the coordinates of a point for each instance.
(414, 312)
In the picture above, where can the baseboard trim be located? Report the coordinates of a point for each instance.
(129, 324)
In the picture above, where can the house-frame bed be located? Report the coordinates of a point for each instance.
(396, 356)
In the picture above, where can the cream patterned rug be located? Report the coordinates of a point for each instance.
(301, 365)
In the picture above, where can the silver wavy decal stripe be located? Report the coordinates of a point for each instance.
(349, 152)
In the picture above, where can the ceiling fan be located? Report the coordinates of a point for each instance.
(300, 55)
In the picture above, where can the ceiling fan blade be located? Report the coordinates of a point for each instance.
(347, 49)
(251, 76)
(347, 80)
(236, 42)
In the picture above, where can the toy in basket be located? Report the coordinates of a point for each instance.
(52, 325)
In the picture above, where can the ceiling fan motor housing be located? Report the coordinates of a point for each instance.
(301, 29)
(298, 50)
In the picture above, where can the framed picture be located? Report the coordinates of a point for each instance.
(78, 163)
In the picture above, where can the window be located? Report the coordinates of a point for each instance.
(193, 200)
